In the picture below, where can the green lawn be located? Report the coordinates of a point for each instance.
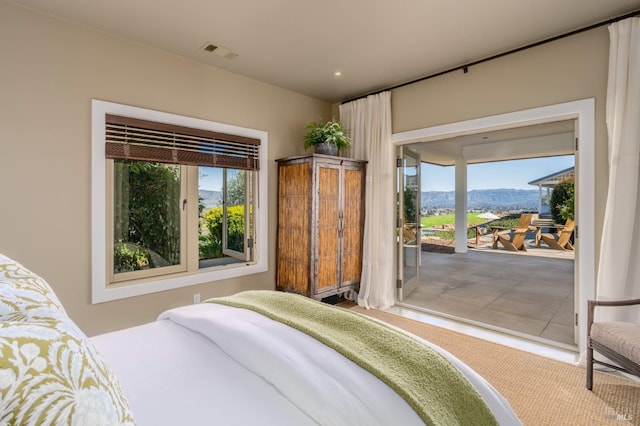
(472, 219)
(450, 219)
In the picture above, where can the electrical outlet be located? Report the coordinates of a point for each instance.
(196, 298)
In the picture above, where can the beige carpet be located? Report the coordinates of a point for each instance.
(540, 390)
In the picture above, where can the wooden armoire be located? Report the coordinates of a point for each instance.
(320, 224)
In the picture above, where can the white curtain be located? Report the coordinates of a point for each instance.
(619, 267)
(368, 122)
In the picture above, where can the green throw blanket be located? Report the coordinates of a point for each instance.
(436, 390)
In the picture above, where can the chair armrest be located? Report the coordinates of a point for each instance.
(591, 306)
(614, 302)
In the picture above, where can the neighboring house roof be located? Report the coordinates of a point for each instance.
(555, 178)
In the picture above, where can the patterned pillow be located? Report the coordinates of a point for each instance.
(50, 373)
(24, 295)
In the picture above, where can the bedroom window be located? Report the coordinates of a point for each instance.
(180, 199)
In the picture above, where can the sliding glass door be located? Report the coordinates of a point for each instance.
(408, 213)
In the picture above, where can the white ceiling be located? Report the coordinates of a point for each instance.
(300, 44)
(539, 140)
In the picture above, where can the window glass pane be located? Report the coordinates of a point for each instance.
(210, 213)
(235, 210)
(147, 209)
(222, 221)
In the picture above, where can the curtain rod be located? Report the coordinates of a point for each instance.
(465, 67)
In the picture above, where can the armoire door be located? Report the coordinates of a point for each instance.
(294, 245)
(328, 222)
(352, 223)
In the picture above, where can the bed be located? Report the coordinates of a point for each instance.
(257, 357)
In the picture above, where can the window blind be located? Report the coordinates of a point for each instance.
(142, 140)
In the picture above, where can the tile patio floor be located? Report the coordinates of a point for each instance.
(531, 293)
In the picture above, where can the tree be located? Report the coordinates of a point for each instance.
(409, 205)
(147, 214)
(562, 201)
(235, 189)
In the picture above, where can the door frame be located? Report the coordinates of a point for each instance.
(583, 111)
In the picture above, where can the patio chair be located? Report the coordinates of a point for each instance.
(562, 239)
(410, 234)
(515, 241)
(618, 341)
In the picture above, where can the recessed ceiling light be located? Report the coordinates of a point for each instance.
(337, 73)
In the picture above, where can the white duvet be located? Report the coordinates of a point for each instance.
(212, 364)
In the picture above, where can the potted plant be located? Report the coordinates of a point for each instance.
(326, 138)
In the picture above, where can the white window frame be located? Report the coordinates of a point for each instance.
(102, 291)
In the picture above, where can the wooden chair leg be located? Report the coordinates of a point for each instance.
(494, 236)
(589, 368)
(507, 244)
(552, 243)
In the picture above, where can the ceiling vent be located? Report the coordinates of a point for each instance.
(219, 50)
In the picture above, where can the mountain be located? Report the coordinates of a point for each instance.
(476, 199)
(210, 198)
(483, 199)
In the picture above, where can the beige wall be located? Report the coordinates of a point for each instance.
(50, 70)
(565, 70)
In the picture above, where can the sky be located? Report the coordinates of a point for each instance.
(513, 174)
(210, 179)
